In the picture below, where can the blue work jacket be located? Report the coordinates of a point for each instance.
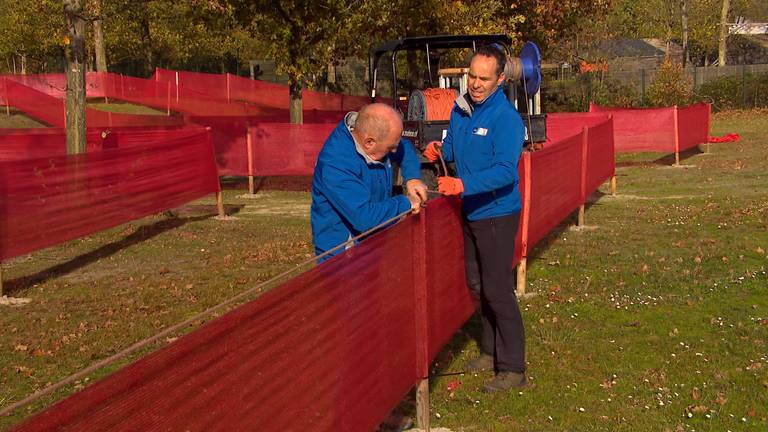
(485, 141)
(351, 193)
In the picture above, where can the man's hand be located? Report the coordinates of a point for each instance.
(450, 186)
(416, 188)
(415, 204)
(432, 152)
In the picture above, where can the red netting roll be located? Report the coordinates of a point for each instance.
(693, 125)
(50, 200)
(730, 137)
(600, 160)
(642, 130)
(555, 186)
(281, 149)
(330, 350)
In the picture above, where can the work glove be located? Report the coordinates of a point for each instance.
(450, 186)
(432, 152)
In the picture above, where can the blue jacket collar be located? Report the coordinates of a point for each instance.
(465, 104)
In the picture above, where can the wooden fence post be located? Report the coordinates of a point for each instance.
(522, 266)
(229, 97)
(220, 202)
(420, 311)
(1, 278)
(168, 100)
(677, 136)
(582, 207)
(249, 148)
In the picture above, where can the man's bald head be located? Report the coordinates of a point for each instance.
(378, 128)
(378, 120)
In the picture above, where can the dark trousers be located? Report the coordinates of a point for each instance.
(489, 246)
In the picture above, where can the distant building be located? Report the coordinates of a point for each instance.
(632, 54)
(744, 26)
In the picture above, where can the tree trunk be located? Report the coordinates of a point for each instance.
(75, 55)
(295, 106)
(684, 15)
(98, 38)
(721, 50)
(146, 38)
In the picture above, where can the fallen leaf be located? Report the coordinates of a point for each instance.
(696, 393)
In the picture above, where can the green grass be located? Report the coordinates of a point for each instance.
(657, 312)
(117, 106)
(654, 320)
(14, 119)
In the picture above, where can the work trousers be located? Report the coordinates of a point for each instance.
(489, 247)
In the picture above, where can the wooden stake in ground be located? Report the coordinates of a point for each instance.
(613, 185)
(422, 404)
(220, 203)
(249, 149)
(1, 279)
(74, 51)
(677, 136)
(525, 218)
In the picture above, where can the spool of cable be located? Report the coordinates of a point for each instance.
(431, 104)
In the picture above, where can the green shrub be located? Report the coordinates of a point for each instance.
(575, 94)
(735, 91)
(671, 86)
(562, 96)
(612, 92)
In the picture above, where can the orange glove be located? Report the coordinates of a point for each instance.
(450, 186)
(432, 152)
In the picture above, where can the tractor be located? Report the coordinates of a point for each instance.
(425, 92)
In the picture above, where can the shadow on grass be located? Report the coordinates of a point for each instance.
(142, 233)
(666, 160)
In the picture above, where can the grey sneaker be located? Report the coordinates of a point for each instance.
(504, 381)
(484, 362)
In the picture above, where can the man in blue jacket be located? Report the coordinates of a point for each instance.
(352, 182)
(485, 139)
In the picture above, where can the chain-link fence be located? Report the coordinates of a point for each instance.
(727, 87)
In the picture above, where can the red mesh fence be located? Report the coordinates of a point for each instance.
(331, 350)
(642, 130)
(337, 347)
(448, 300)
(600, 157)
(53, 199)
(555, 186)
(55, 84)
(693, 125)
(228, 135)
(232, 87)
(281, 149)
(17, 144)
(50, 110)
(566, 124)
(36, 104)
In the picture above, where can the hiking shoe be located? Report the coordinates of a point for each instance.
(504, 381)
(484, 362)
